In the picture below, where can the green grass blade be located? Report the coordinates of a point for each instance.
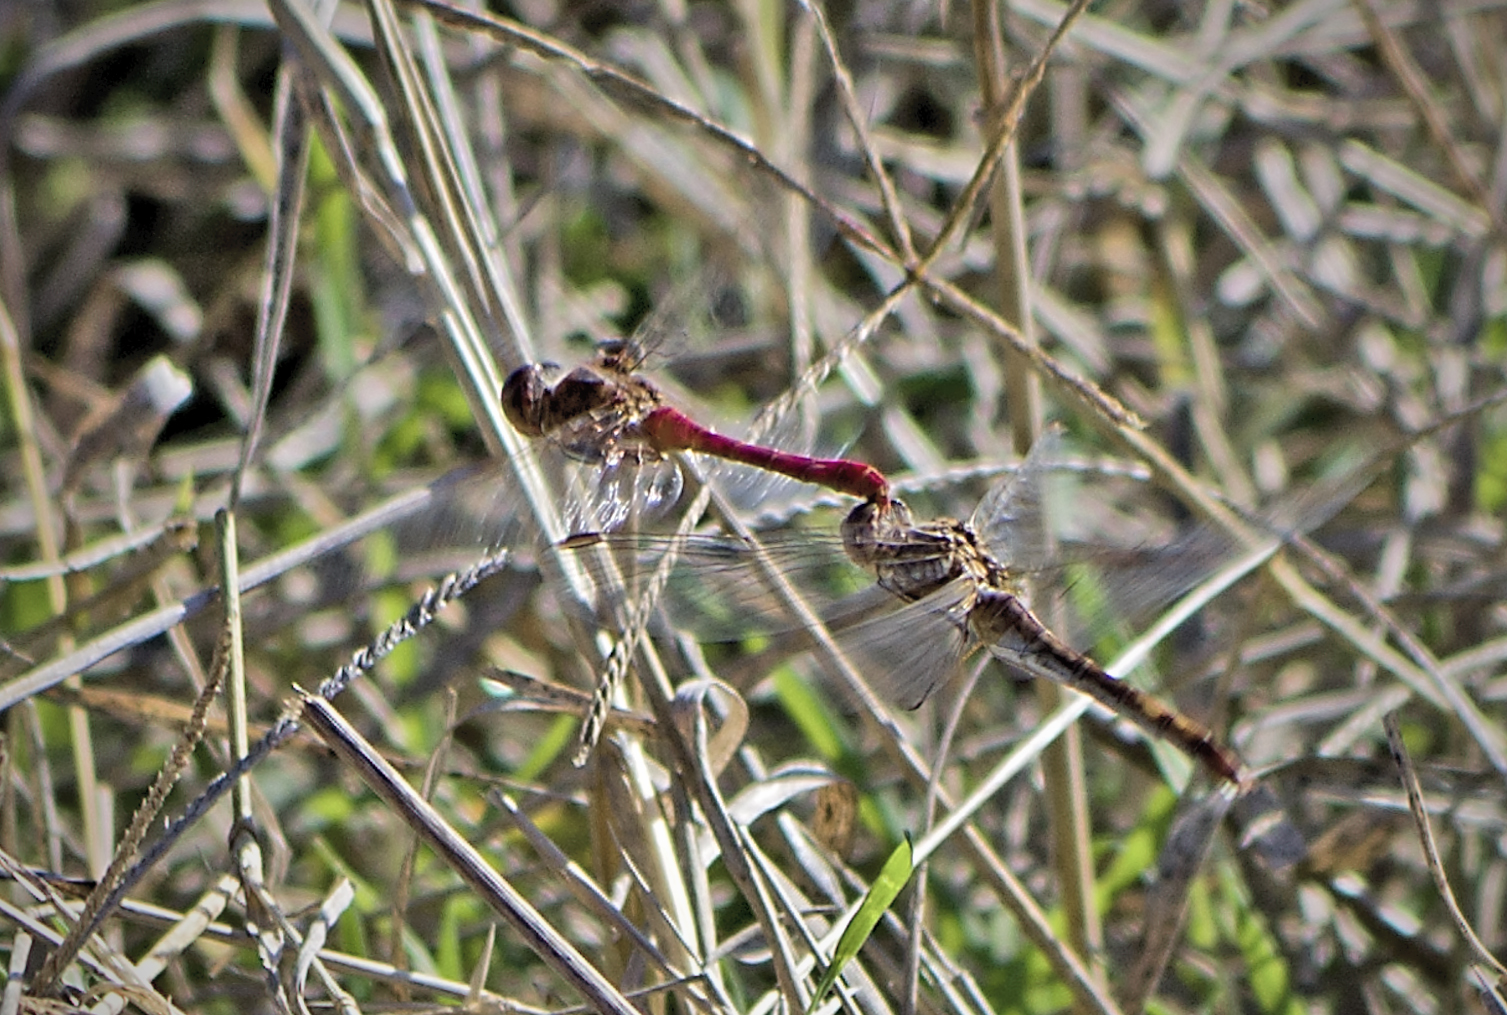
(896, 872)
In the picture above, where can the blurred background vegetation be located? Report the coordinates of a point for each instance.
(1259, 247)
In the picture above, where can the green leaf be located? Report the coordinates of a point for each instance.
(896, 872)
(821, 728)
(1135, 852)
(1265, 967)
(560, 736)
(448, 956)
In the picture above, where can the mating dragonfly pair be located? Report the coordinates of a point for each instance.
(955, 582)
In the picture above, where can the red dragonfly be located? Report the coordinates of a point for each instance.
(609, 416)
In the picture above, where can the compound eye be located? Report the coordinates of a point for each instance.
(525, 399)
(579, 392)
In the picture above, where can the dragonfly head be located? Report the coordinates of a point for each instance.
(524, 398)
(873, 526)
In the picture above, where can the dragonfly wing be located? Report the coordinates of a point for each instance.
(1012, 518)
(681, 320)
(718, 588)
(721, 587)
(611, 496)
(1176, 568)
(905, 654)
(1028, 520)
(449, 523)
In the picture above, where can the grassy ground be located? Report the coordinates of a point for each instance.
(1261, 254)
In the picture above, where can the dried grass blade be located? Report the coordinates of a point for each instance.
(1419, 808)
(463, 858)
(634, 92)
(290, 139)
(583, 887)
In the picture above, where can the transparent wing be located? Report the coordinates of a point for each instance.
(611, 496)
(686, 317)
(1055, 523)
(463, 515)
(905, 654)
(454, 520)
(1012, 519)
(719, 589)
(1114, 563)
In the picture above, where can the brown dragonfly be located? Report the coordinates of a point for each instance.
(947, 565)
(946, 589)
